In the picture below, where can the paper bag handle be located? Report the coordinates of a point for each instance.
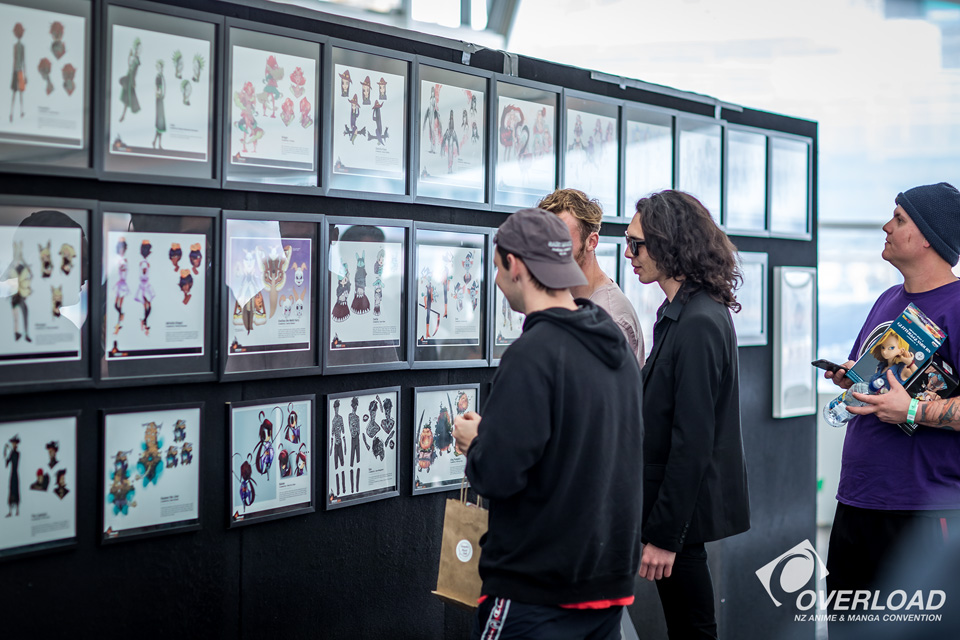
(463, 493)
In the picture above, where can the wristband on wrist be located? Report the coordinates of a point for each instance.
(912, 411)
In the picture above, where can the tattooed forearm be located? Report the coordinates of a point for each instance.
(941, 413)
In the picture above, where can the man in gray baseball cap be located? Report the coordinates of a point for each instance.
(554, 443)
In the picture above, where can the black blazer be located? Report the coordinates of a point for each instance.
(695, 478)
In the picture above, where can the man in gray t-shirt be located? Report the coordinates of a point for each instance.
(582, 217)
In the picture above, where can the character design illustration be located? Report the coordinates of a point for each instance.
(429, 295)
(20, 271)
(297, 82)
(145, 295)
(577, 144)
(511, 130)
(186, 453)
(185, 284)
(467, 264)
(286, 112)
(474, 292)
(178, 64)
(46, 261)
(345, 83)
(61, 484)
(246, 101)
(305, 108)
(67, 255)
(150, 464)
(173, 457)
(351, 130)
(892, 352)
(179, 431)
(196, 257)
(57, 48)
(373, 428)
(274, 268)
(248, 491)
(431, 118)
(507, 313)
(341, 311)
(301, 467)
(56, 301)
(44, 68)
(292, 431)
(381, 134)
(465, 122)
(338, 444)
(198, 64)
(459, 292)
(69, 72)
(298, 272)
(11, 458)
(475, 133)
(377, 296)
(365, 87)
(53, 447)
(450, 145)
(128, 83)
(447, 278)
(360, 304)
(542, 140)
(388, 423)
(263, 452)
(934, 384)
(176, 253)
(463, 403)
(42, 482)
(121, 491)
(121, 287)
(161, 119)
(353, 421)
(19, 82)
(443, 430)
(273, 73)
(186, 90)
(383, 89)
(425, 451)
(283, 461)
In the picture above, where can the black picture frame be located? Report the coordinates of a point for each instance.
(511, 90)
(235, 519)
(107, 456)
(418, 458)
(273, 174)
(429, 186)
(699, 158)
(258, 361)
(789, 157)
(341, 177)
(368, 355)
(55, 544)
(591, 161)
(181, 365)
(55, 155)
(431, 352)
(130, 160)
(745, 180)
(332, 498)
(649, 155)
(64, 368)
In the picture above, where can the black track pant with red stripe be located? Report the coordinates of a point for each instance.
(503, 619)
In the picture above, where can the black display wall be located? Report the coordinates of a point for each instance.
(367, 571)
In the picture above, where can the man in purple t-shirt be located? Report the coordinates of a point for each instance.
(894, 486)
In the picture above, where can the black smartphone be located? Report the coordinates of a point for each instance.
(832, 367)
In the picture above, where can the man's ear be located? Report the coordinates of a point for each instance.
(592, 241)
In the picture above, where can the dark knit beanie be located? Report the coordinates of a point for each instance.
(935, 208)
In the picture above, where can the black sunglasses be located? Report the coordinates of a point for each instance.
(634, 245)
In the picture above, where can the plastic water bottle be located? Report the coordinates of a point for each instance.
(835, 412)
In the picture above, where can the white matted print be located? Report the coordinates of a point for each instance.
(41, 280)
(365, 294)
(160, 311)
(648, 161)
(45, 50)
(162, 110)
(451, 136)
(437, 466)
(448, 295)
(751, 321)
(268, 277)
(592, 156)
(38, 482)
(794, 341)
(526, 152)
(272, 114)
(260, 435)
(362, 432)
(368, 123)
(151, 474)
(700, 164)
(508, 324)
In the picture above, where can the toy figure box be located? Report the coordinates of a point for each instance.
(936, 381)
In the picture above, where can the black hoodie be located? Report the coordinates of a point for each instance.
(559, 457)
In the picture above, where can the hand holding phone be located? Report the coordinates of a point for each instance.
(826, 365)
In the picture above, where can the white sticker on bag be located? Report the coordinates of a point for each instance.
(464, 551)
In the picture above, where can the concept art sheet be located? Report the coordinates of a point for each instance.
(436, 461)
(526, 148)
(364, 300)
(451, 136)
(449, 286)
(592, 156)
(362, 457)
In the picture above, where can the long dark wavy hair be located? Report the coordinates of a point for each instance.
(686, 244)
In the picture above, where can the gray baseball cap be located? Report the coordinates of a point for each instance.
(542, 240)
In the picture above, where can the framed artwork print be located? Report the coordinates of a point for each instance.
(751, 322)
(47, 45)
(452, 134)
(436, 464)
(648, 155)
(506, 325)
(591, 148)
(150, 472)
(42, 505)
(269, 293)
(368, 122)
(45, 277)
(700, 159)
(370, 472)
(794, 341)
(272, 117)
(790, 187)
(525, 137)
(158, 122)
(448, 327)
(262, 431)
(365, 305)
(156, 292)
(746, 182)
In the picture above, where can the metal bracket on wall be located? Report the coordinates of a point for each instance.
(468, 50)
(511, 64)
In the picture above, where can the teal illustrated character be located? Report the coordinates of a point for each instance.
(128, 83)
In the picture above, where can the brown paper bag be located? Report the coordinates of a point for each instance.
(458, 582)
